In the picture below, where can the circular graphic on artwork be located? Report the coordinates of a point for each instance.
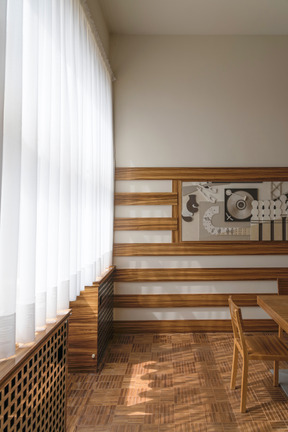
(239, 204)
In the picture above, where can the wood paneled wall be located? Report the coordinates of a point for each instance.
(178, 248)
(183, 326)
(200, 248)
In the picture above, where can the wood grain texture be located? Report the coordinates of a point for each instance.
(182, 300)
(184, 326)
(86, 339)
(173, 383)
(204, 174)
(199, 274)
(161, 198)
(277, 307)
(176, 210)
(201, 248)
(283, 286)
(83, 332)
(147, 224)
(107, 274)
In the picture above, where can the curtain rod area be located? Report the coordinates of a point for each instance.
(97, 38)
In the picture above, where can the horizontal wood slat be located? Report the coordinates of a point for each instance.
(165, 198)
(199, 274)
(129, 224)
(201, 248)
(184, 326)
(203, 174)
(182, 300)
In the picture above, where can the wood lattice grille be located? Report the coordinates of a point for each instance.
(105, 316)
(33, 398)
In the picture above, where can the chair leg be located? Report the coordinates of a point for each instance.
(244, 385)
(280, 332)
(234, 367)
(276, 374)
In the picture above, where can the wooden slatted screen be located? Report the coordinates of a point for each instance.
(197, 248)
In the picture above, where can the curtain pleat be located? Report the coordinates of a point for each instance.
(25, 298)
(57, 177)
(43, 163)
(10, 176)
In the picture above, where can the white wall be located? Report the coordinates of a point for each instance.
(196, 101)
(200, 101)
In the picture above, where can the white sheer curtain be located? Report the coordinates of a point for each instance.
(57, 173)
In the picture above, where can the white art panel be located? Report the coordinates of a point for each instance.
(213, 211)
(201, 261)
(142, 237)
(143, 186)
(231, 287)
(138, 211)
(157, 314)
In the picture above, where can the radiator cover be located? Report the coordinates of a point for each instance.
(33, 392)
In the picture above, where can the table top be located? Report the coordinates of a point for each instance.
(277, 307)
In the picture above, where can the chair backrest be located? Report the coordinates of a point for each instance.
(237, 324)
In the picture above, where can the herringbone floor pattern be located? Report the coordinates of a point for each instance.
(173, 382)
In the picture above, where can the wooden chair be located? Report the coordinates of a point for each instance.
(253, 348)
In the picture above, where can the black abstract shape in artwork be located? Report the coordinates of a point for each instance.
(187, 218)
(192, 207)
(192, 204)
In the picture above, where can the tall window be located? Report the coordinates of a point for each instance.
(56, 216)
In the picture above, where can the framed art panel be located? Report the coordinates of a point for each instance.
(234, 211)
(214, 211)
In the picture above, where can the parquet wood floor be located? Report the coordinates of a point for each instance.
(173, 383)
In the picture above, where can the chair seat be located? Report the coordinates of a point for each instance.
(266, 348)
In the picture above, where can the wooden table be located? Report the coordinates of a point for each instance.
(277, 307)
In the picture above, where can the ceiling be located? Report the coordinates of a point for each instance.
(196, 17)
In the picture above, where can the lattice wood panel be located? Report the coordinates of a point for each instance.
(33, 398)
(105, 316)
